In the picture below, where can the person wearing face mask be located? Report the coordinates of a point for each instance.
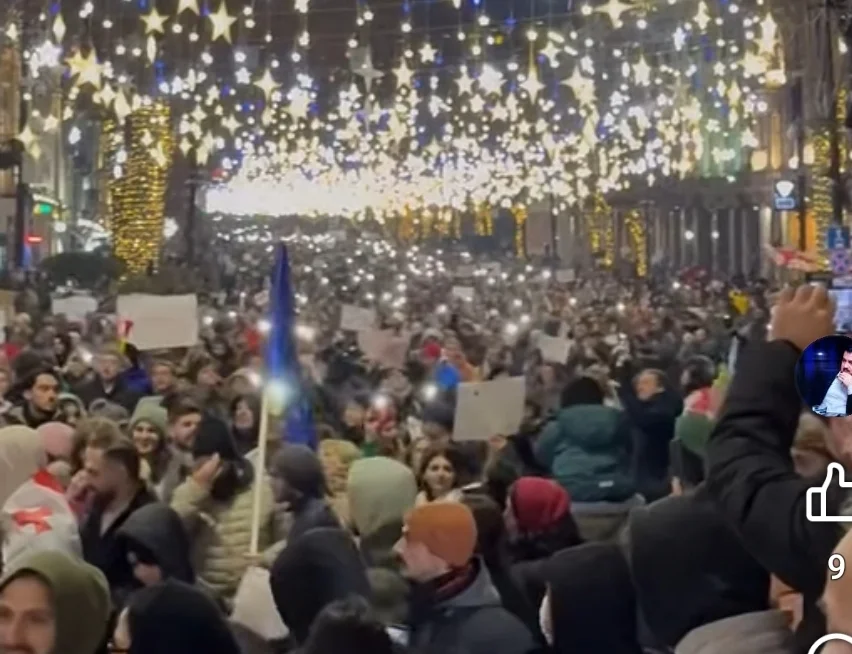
(215, 504)
(156, 546)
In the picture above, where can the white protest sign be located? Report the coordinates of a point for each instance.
(565, 276)
(466, 271)
(553, 349)
(384, 347)
(356, 319)
(160, 321)
(75, 307)
(463, 292)
(492, 408)
(254, 606)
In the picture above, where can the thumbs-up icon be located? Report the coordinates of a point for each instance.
(822, 493)
(829, 638)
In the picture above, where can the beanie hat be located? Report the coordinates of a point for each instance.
(538, 504)
(447, 529)
(57, 439)
(441, 414)
(213, 437)
(151, 410)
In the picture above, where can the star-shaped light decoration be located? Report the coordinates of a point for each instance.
(615, 9)
(231, 124)
(403, 75)
(551, 52)
(267, 84)
(477, 104)
(155, 22)
(427, 53)
(91, 71)
(187, 5)
(222, 21)
(185, 146)
(582, 87)
(107, 95)
(50, 124)
(366, 70)
(75, 63)
(490, 79)
(58, 28)
(642, 72)
(26, 138)
(532, 85)
(465, 82)
(300, 102)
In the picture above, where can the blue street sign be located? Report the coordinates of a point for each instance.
(784, 195)
(837, 237)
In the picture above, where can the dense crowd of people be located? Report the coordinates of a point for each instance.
(652, 500)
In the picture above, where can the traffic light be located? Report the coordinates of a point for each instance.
(42, 209)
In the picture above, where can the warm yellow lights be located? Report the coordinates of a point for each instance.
(138, 188)
(155, 22)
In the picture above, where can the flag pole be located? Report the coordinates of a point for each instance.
(260, 475)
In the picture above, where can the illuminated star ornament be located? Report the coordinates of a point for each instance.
(89, 71)
(615, 9)
(403, 75)
(187, 5)
(532, 84)
(267, 84)
(427, 53)
(222, 21)
(155, 22)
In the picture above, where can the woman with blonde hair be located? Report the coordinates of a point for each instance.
(337, 456)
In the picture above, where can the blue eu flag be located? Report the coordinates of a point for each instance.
(282, 362)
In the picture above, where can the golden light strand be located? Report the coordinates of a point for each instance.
(821, 196)
(138, 190)
(519, 212)
(635, 226)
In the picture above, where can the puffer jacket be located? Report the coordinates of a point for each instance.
(220, 533)
(588, 450)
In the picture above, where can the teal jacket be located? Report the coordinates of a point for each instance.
(588, 448)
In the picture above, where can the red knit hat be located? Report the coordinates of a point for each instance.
(447, 529)
(538, 503)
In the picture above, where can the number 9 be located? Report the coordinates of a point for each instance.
(837, 564)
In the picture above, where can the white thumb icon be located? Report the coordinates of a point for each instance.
(827, 639)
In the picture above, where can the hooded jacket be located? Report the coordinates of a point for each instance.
(587, 448)
(381, 491)
(158, 530)
(470, 622)
(689, 568)
(175, 618)
(592, 605)
(300, 468)
(80, 599)
(320, 567)
(21, 455)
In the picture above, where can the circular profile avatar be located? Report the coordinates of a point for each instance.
(832, 644)
(824, 376)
